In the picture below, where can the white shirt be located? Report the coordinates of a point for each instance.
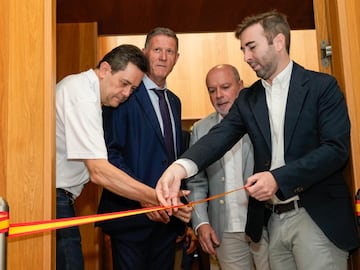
(79, 129)
(276, 97)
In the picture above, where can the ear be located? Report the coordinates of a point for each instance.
(241, 83)
(279, 42)
(177, 57)
(103, 69)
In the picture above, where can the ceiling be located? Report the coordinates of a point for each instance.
(115, 17)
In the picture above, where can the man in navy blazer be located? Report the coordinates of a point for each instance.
(135, 141)
(298, 123)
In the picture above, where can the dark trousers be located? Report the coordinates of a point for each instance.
(68, 241)
(156, 251)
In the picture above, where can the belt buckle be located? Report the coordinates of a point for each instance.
(287, 207)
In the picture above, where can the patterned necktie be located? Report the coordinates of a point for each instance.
(168, 132)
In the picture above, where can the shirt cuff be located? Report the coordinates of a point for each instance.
(190, 166)
(197, 227)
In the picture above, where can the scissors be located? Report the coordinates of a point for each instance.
(190, 204)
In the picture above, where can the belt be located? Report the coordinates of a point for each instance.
(65, 192)
(284, 207)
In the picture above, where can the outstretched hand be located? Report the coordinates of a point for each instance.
(168, 186)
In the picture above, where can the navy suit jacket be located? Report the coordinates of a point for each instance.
(316, 149)
(136, 145)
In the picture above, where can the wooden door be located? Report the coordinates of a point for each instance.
(337, 23)
(27, 129)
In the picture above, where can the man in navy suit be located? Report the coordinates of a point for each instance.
(298, 123)
(134, 135)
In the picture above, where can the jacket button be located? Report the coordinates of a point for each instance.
(221, 201)
(267, 163)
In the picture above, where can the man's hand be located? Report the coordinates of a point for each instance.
(208, 239)
(184, 213)
(168, 186)
(262, 186)
(156, 216)
(190, 240)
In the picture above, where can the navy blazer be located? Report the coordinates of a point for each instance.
(136, 145)
(316, 149)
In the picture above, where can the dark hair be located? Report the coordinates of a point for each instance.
(161, 31)
(119, 57)
(273, 23)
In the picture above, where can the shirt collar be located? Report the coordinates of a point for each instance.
(283, 78)
(149, 84)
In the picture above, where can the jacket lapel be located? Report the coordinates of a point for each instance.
(144, 101)
(296, 97)
(260, 110)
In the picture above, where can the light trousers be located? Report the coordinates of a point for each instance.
(237, 252)
(297, 243)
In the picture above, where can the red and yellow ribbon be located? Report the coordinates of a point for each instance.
(19, 229)
(4, 222)
(357, 207)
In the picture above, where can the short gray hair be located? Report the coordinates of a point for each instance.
(161, 31)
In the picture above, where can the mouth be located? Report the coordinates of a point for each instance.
(222, 104)
(119, 100)
(161, 66)
(254, 65)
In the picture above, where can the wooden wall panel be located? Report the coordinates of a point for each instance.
(27, 58)
(200, 52)
(76, 48)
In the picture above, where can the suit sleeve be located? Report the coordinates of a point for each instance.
(199, 186)
(221, 138)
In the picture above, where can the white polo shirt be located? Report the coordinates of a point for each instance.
(79, 129)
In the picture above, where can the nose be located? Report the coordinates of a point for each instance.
(218, 93)
(247, 55)
(163, 55)
(128, 91)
